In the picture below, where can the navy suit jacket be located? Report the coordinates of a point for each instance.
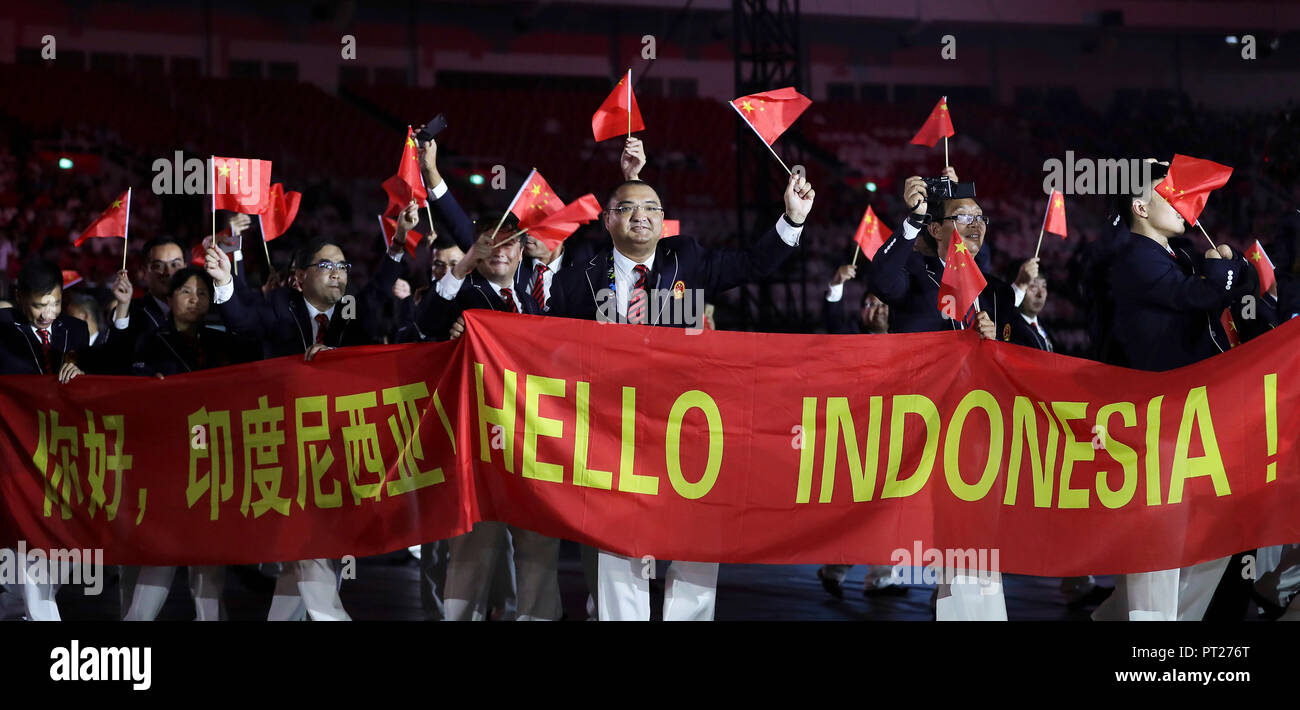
(435, 314)
(677, 259)
(20, 349)
(1168, 308)
(1024, 334)
(165, 351)
(909, 282)
(282, 323)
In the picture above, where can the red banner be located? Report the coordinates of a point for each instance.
(726, 447)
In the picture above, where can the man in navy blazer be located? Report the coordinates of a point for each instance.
(908, 280)
(635, 280)
(1168, 298)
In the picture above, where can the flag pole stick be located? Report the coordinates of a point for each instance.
(1207, 235)
(945, 153)
(265, 248)
(520, 233)
(629, 103)
(1044, 227)
(126, 230)
(857, 249)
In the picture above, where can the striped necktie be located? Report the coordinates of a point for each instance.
(509, 297)
(539, 287)
(45, 348)
(636, 299)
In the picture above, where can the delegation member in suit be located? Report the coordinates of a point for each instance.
(36, 338)
(617, 285)
(1168, 298)
(289, 321)
(485, 279)
(909, 281)
(872, 317)
(1027, 330)
(182, 344)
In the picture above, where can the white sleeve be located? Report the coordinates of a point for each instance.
(910, 231)
(437, 191)
(224, 293)
(1020, 294)
(122, 323)
(448, 286)
(835, 293)
(788, 234)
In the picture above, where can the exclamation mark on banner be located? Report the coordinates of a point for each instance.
(1270, 422)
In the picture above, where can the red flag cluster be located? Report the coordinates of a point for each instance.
(545, 216)
(401, 188)
(1189, 183)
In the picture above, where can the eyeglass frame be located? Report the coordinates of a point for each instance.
(972, 217)
(331, 266)
(631, 210)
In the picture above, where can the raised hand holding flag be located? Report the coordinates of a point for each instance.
(870, 235)
(619, 110)
(1053, 219)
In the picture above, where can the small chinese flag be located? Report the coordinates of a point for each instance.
(672, 228)
(112, 222)
(1230, 327)
(240, 184)
(611, 119)
(561, 224)
(70, 278)
(1054, 222)
(534, 201)
(280, 212)
(771, 112)
(1189, 183)
(962, 281)
(388, 227)
(225, 241)
(408, 171)
(938, 125)
(871, 234)
(1263, 265)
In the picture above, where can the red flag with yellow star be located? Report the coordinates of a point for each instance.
(554, 228)
(770, 113)
(1230, 327)
(1189, 183)
(240, 184)
(672, 228)
(411, 185)
(280, 212)
(962, 280)
(1054, 220)
(112, 222)
(938, 125)
(534, 201)
(70, 278)
(1263, 265)
(611, 119)
(871, 234)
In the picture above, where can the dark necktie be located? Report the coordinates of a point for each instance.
(322, 324)
(539, 287)
(509, 297)
(636, 299)
(45, 349)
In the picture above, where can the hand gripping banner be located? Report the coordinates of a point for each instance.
(712, 446)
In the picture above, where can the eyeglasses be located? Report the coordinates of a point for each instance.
(969, 219)
(161, 267)
(328, 266)
(627, 210)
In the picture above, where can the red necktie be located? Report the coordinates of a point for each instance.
(636, 300)
(45, 349)
(322, 324)
(509, 296)
(539, 287)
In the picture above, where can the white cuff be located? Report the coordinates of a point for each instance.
(448, 286)
(122, 323)
(224, 293)
(835, 293)
(1020, 294)
(437, 191)
(909, 231)
(788, 234)
(398, 256)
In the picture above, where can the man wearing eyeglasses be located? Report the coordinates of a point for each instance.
(137, 318)
(308, 321)
(616, 285)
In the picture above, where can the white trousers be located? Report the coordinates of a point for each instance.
(308, 588)
(1168, 595)
(475, 561)
(39, 597)
(623, 589)
(144, 590)
(967, 597)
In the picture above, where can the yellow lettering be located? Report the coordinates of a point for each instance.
(503, 417)
(952, 446)
(694, 399)
(1196, 413)
(1123, 454)
(628, 481)
(903, 405)
(583, 476)
(1072, 450)
(535, 425)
